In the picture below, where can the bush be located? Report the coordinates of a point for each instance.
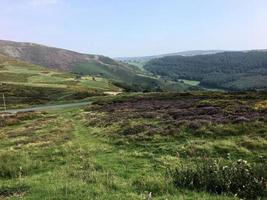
(238, 178)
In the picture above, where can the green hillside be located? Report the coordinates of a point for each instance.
(24, 83)
(127, 76)
(228, 70)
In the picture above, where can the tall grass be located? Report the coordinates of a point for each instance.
(237, 178)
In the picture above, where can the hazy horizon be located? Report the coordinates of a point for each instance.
(140, 28)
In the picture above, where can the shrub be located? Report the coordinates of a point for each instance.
(238, 178)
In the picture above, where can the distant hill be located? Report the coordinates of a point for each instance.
(228, 70)
(182, 53)
(141, 61)
(62, 59)
(123, 75)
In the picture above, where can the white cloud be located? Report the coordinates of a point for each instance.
(43, 2)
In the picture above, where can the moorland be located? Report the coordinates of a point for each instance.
(142, 135)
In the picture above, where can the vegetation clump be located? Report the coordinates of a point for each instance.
(17, 190)
(238, 178)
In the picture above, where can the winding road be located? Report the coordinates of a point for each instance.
(47, 107)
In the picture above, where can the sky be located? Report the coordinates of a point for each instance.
(119, 28)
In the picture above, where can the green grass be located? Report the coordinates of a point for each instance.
(25, 84)
(98, 84)
(16, 72)
(87, 165)
(92, 68)
(99, 153)
(129, 77)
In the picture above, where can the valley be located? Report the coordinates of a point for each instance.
(115, 131)
(133, 100)
(123, 75)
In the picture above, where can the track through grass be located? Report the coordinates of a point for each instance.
(61, 154)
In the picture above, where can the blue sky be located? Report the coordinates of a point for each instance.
(136, 27)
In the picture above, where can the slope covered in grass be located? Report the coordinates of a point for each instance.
(137, 147)
(127, 76)
(24, 83)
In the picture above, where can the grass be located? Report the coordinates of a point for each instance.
(17, 72)
(25, 84)
(98, 83)
(87, 166)
(123, 147)
(239, 178)
(128, 77)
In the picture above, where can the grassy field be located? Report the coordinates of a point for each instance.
(24, 84)
(138, 147)
(18, 72)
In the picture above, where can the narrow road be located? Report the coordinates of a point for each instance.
(47, 107)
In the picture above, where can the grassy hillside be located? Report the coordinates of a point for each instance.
(25, 83)
(206, 146)
(127, 76)
(228, 70)
(51, 57)
(66, 60)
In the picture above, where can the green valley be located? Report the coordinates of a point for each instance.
(110, 130)
(133, 100)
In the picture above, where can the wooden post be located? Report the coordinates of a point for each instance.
(4, 100)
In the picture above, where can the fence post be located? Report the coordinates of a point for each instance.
(4, 100)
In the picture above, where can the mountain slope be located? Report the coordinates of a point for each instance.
(24, 83)
(141, 61)
(65, 60)
(124, 75)
(182, 53)
(228, 70)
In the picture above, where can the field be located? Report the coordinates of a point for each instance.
(139, 146)
(24, 84)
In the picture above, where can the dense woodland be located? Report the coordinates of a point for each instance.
(228, 70)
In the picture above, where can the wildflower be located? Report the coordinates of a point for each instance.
(225, 167)
(149, 196)
(228, 155)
